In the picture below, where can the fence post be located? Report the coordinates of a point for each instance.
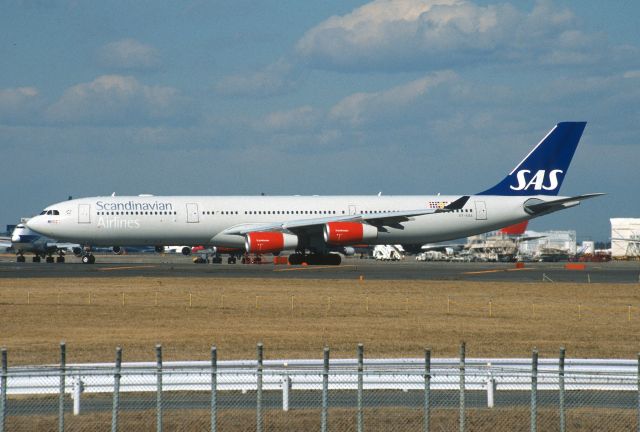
(259, 389)
(427, 388)
(76, 395)
(286, 387)
(325, 391)
(360, 419)
(491, 388)
(214, 389)
(462, 386)
(3, 386)
(561, 389)
(534, 391)
(63, 367)
(159, 388)
(116, 390)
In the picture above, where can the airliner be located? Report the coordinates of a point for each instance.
(313, 228)
(23, 240)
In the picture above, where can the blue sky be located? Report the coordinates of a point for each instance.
(330, 97)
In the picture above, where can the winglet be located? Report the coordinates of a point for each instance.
(542, 171)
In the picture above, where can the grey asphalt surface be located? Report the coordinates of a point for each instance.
(151, 265)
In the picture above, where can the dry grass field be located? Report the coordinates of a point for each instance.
(296, 318)
(381, 419)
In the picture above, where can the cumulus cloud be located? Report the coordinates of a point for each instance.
(360, 108)
(429, 34)
(118, 100)
(19, 103)
(129, 54)
(277, 78)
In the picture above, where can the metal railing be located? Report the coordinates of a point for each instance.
(340, 394)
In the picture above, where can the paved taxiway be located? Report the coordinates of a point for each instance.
(352, 268)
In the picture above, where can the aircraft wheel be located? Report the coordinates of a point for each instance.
(333, 259)
(92, 259)
(60, 259)
(35, 259)
(295, 259)
(20, 258)
(49, 259)
(85, 259)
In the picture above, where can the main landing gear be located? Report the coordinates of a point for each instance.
(88, 259)
(315, 259)
(38, 258)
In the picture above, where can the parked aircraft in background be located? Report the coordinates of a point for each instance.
(314, 226)
(23, 240)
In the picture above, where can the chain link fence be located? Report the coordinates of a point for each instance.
(422, 394)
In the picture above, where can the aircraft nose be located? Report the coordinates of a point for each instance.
(36, 224)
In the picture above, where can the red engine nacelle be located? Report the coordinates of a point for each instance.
(269, 242)
(348, 233)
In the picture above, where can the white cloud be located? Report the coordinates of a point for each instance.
(360, 108)
(19, 103)
(432, 34)
(118, 100)
(277, 78)
(129, 54)
(303, 117)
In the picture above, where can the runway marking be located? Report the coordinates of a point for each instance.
(495, 271)
(126, 267)
(313, 268)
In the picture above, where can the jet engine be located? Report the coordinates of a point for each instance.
(117, 250)
(348, 233)
(269, 242)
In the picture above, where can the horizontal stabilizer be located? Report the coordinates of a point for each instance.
(536, 206)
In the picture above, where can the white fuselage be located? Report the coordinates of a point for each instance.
(200, 220)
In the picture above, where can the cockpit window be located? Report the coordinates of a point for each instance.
(56, 212)
(43, 212)
(52, 212)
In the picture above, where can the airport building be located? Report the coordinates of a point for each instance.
(625, 238)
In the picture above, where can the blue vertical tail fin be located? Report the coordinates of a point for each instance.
(542, 171)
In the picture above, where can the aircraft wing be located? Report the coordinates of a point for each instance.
(442, 247)
(537, 206)
(377, 219)
(62, 246)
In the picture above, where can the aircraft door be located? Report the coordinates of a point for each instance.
(481, 210)
(353, 209)
(192, 213)
(84, 213)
